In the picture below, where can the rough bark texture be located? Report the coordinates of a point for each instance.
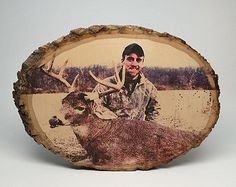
(96, 155)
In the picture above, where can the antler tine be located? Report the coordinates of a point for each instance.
(123, 75)
(116, 86)
(58, 76)
(116, 73)
(106, 92)
(104, 83)
(73, 85)
(63, 68)
(49, 68)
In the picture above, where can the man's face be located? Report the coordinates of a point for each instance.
(133, 64)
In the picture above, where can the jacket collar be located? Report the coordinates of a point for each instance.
(142, 78)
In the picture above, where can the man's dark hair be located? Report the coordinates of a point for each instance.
(133, 48)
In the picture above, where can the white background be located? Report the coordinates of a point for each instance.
(209, 26)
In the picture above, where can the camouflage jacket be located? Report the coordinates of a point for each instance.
(141, 103)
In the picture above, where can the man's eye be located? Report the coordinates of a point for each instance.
(130, 59)
(138, 60)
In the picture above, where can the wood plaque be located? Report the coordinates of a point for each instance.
(117, 97)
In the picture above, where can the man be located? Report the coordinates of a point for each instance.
(138, 97)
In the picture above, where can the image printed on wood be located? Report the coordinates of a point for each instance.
(121, 103)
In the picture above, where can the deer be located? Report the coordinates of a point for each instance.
(116, 143)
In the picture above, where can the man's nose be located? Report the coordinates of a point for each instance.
(134, 63)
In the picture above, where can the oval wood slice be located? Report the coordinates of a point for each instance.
(82, 99)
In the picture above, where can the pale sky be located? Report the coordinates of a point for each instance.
(105, 51)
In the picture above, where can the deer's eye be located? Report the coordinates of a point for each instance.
(80, 108)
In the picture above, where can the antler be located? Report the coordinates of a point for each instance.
(113, 87)
(59, 76)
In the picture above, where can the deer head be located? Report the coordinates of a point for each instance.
(77, 105)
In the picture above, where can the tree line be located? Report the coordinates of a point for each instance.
(163, 78)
